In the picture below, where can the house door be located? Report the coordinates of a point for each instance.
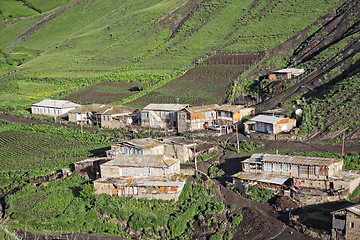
(332, 185)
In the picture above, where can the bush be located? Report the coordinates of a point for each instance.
(255, 194)
(235, 220)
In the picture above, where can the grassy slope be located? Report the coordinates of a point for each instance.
(108, 35)
(85, 43)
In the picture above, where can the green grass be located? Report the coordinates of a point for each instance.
(44, 6)
(92, 38)
(29, 151)
(14, 9)
(69, 206)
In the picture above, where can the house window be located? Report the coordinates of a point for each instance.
(312, 170)
(294, 168)
(352, 224)
(108, 118)
(267, 166)
(304, 169)
(277, 166)
(286, 167)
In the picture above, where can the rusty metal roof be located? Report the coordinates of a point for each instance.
(142, 143)
(201, 109)
(165, 107)
(299, 160)
(232, 108)
(148, 160)
(55, 104)
(173, 181)
(266, 178)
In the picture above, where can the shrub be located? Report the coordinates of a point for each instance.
(235, 220)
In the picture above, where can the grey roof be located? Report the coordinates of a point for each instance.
(177, 140)
(353, 208)
(346, 175)
(266, 119)
(300, 160)
(55, 104)
(174, 181)
(294, 71)
(142, 143)
(165, 107)
(103, 109)
(91, 160)
(147, 160)
(266, 178)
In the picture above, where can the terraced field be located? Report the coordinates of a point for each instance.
(199, 86)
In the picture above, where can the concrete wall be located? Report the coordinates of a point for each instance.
(181, 152)
(108, 121)
(352, 228)
(50, 111)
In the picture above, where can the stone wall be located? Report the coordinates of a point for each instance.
(352, 231)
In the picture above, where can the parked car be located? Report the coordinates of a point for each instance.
(215, 128)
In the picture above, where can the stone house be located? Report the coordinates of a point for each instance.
(160, 115)
(269, 124)
(152, 176)
(136, 146)
(53, 108)
(196, 118)
(232, 114)
(116, 116)
(346, 223)
(111, 116)
(186, 150)
(301, 171)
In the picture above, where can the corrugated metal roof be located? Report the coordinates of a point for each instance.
(142, 143)
(177, 140)
(148, 160)
(115, 110)
(294, 71)
(353, 208)
(175, 181)
(200, 109)
(266, 178)
(232, 108)
(91, 160)
(300, 160)
(346, 175)
(266, 119)
(103, 109)
(56, 103)
(255, 158)
(165, 107)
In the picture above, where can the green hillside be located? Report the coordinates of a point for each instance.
(79, 42)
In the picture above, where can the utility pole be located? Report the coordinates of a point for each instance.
(195, 156)
(237, 138)
(343, 145)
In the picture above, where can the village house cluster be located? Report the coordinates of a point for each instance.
(177, 118)
(144, 168)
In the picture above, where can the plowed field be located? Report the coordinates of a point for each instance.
(200, 85)
(104, 92)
